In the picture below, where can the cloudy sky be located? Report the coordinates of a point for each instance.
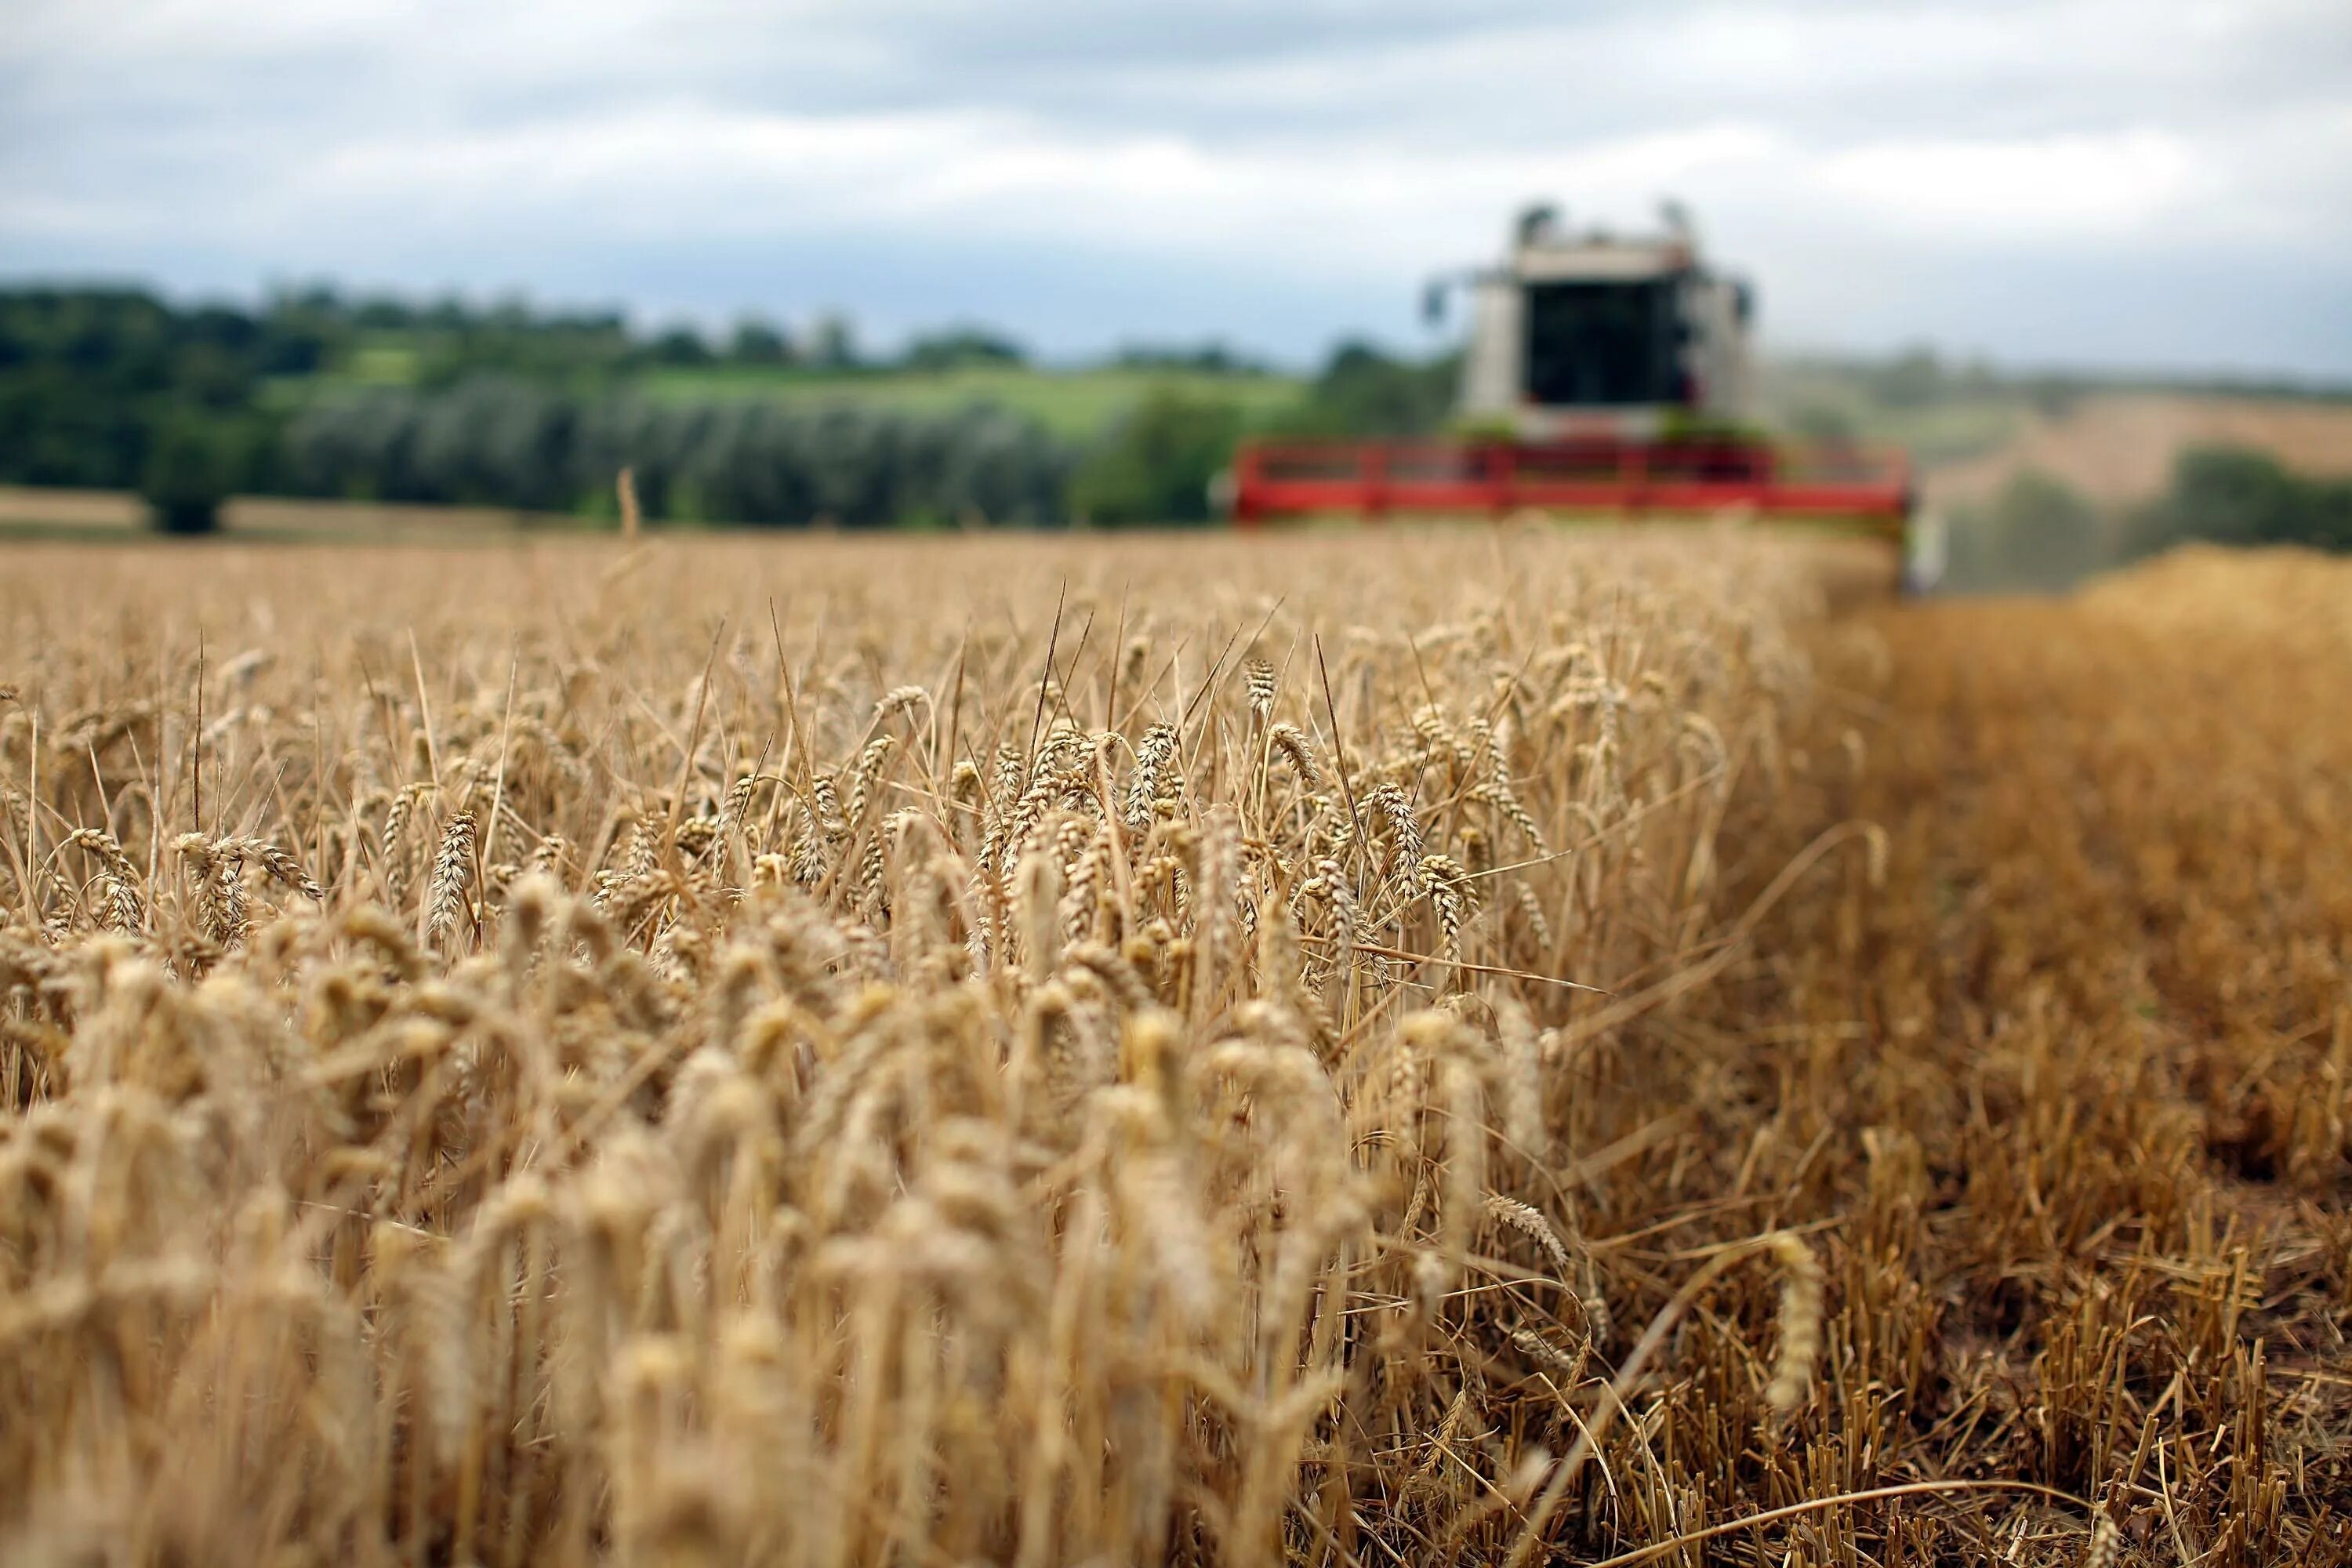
(2124, 182)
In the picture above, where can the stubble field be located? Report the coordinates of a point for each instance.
(1480, 1046)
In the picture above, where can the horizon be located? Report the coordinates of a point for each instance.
(881, 354)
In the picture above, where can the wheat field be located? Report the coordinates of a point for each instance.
(1497, 1046)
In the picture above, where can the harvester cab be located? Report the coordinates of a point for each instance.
(1591, 333)
(1604, 374)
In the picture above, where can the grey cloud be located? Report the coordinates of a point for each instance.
(1318, 153)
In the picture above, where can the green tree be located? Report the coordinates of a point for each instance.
(189, 472)
(2229, 495)
(2036, 532)
(831, 342)
(962, 346)
(1363, 391)
(757, 342)
(681, 346)
(1156, 464)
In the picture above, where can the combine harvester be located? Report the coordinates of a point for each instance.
(1604, 375)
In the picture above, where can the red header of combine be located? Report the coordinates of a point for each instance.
(1867, 489)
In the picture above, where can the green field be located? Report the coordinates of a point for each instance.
(1954, 423)
(1073, 403)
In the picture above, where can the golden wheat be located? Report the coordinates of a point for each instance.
(1044, 1051)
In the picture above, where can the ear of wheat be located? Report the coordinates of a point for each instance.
(453, 875)
(2105, 1548)
(1801, 1323)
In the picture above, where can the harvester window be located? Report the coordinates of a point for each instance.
(1604, 344)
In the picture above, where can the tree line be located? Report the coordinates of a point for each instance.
(505, 406)
(2038, 533)
(502, 442)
